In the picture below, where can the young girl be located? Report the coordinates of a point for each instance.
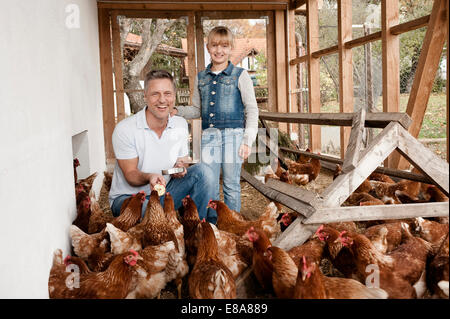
(225, 99)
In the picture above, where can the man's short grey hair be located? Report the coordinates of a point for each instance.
(157, 74)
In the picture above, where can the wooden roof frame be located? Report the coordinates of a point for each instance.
(281, 54)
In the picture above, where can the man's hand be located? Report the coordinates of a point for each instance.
(180, 163)
(156, 179)
(244, 151)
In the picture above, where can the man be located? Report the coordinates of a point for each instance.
(153, 140)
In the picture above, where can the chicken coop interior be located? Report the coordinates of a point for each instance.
(319, 215)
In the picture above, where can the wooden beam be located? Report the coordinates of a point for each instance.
(118, 72)
(345, 68)
(303, 195)
(346, 183)
(298, 60)
(448, 77)
(312, 22)
(326, 51)
(378, 212)
(363, 40)
(424, 159)
(410, 25)
(374, 120)
(196, 6)
(355, 142)
(281, 65)
(427, 66)
(192, 66)
(292, 70)
(106, 73)
(275, 195)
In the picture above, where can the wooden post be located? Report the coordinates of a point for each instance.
(118, 72)
(271, 65)
(292, 69)
(192, 67)
(427, 66)
(200, 42)
(446, 91)
(312, 22)
(104, 28)
(390, 61)
(281, 65)
(345, 66)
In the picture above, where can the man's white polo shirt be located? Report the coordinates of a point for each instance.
(133, 138)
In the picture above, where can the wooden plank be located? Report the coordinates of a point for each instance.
(281, 65)
(312, 22)
(424, 159)
(200, 43)
(274, 195)
(298, 60)
(363, 40)
(192, 66)
(378, 212)
(118, 72)
(196, 6)
(448, 78)
(355, 145)
(427, 66)
(345, 68)
(292, 70)
(410, 25)
(326, 51)
(106, 73)
(151, 14)
(390, 62)
(345, 184)
(375, 120)
(303, 195)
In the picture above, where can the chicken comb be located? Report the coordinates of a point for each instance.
(134, 252)
(342, 233)
(319, 229)
(66, 260)
(304, 263)
(203, 220)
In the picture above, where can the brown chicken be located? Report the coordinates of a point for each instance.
(362, 199)
(83, 212)
(433, 194)
(312, 284)
(313, 248)
(302, 174)
(131, 214)
(190, 221)
(114, 283)
(365, 186)
(261, 264)
(79, 262)
(433, 232)
(84, 244)
(385, 237)
(153, 271)
(179, 258)
(98, 219)
(387, 191)
(339, 255)
(156, 224)
(100, 259)
(57, 272)
(303, 159)
(210, 278)
(287, 219)
(401, 268)
(284, 273)
(381, 178)
(437, 271)
(107, 180)
(227, 222)
(76, 163)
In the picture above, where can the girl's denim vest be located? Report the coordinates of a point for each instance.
(222, 105)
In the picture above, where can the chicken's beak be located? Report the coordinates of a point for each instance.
(304, 275)
(338, 240)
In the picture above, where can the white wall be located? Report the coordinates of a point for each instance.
(50, 90)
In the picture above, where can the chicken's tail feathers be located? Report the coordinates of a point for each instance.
(57, 256)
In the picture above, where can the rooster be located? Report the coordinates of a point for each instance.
(312, 284)
(210, 278)
(227, 222)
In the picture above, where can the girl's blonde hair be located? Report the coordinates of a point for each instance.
(223, 34)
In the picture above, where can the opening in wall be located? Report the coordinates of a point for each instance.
(80, 150)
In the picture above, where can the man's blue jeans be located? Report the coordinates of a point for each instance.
(220, 151)
(198, 183)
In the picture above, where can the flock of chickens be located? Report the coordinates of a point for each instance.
(130, 257)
